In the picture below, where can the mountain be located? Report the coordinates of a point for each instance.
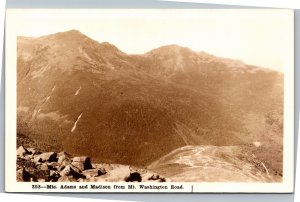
(90, 98)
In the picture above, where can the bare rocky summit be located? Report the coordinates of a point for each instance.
(33, 165)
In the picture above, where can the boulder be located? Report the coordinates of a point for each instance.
(66, 162)
(101, 171)
(37, 158)
(150, 176)
(43, 166)
(94, 172)
(54, 176)
(28, 157)
(62, 156)
(119, 173)
(43, 157)
(61, 167)
(54, 173)
(70, 170)
(65, 171)
(82, 163)
(21, 151)
(53, 165)
(31, 151)
(154, 176)
(134, 177)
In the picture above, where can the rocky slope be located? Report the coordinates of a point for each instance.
(90, 98)
(33, 165)
(214, 164)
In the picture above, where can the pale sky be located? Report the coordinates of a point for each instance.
(257, 37)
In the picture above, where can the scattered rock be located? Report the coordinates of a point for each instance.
(53, 172)
(73, 171)
(62, 156)
(66, 171)
(32, 151)
(21, 151)
(44, 166)
(53, 165)
(150, 176)
(134, 177)
(37, 158)
(54, 176)
(28, 157)
(101, 171)
(118, 173)
(82, 163)
(94, 172)
(60, 167)
(48, 156)
(154, 176)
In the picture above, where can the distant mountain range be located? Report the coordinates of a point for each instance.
(90, 98)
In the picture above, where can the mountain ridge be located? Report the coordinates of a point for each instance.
(75, 34)
(134, 109)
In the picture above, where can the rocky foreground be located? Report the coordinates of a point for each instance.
(33, 165)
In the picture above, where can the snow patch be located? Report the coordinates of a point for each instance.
(55, 116)
(77, 92)
(53, 88)
(47, 98)
(75, 124)
(34, 113)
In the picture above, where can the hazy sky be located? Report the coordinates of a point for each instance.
(258, 37)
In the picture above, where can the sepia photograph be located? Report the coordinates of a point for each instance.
(155, 99)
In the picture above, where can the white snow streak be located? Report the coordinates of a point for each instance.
(53, 88)
(75, 124)
(77, 92)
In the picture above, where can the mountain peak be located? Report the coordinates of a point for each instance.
(171, 47)
(72, 31)
(71, 34)
(171, 50)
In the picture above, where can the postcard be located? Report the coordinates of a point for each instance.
(149, 100)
